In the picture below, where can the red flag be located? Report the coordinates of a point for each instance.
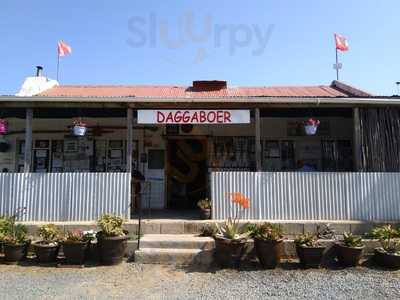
(63, 49)
(341, 43)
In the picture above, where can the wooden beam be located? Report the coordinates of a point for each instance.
(258, 139)
(357, 140)
(129, 137)
(28, 140)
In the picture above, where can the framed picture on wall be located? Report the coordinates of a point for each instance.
(43, 144)
(116, 144)
(70, 146)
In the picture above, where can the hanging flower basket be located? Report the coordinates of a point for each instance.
(3, 127)
(79, 128)
(311, 126)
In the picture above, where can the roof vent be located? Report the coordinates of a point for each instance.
(209, 85)
(39, 71)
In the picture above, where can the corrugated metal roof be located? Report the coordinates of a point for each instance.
(152, 91)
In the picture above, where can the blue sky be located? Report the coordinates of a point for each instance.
(252, 43)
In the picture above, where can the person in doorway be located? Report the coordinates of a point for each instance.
(136, 188)
(304, 167)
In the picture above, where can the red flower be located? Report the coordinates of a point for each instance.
(240, 199)
(312, 122)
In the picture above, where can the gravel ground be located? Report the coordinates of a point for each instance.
(133, 281)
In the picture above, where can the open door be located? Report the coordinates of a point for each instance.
(186, 172)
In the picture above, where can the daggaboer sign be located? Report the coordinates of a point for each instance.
(198, 116)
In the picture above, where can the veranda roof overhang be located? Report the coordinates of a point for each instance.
(148, 102)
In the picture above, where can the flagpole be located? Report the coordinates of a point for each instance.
(337, 65)
(58, 64)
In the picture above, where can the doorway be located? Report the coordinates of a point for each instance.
(186, 172)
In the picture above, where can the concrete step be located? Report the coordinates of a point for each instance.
(182, 257)
(174, 241)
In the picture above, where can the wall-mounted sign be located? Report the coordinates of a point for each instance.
(217, 116)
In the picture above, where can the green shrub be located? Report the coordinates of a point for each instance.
(267, 232)
(307, 240)
(111, 225)
(77, 236)
(388, 238)
(12, 233)
(208, 230)
(204, 204)
(49, 233)
(350, 240)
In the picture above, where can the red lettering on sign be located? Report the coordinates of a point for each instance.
(186, 117)
(178, 116)
(160, 117)
(170, 118)
(220, 116)
(227, 117)
(203, 117)
(211, 117)
(195, 118)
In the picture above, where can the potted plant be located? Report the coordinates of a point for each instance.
(349, 250)
(388, 255)
(79, 128)
(268, 244)
(309, 250)
(231, 238)
(112, 239)
(3, 231)
(75, 244)
(46, 249)
(205, 208)
(16, 243)
(311, 126)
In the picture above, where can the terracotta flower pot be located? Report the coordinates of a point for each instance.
(205, 213)
(112, 249)
(75, 252)
(15, 253)
(349, 256)
(46, 253)
(310, 257)
(268, 252)
(385, 259)
(228, 253)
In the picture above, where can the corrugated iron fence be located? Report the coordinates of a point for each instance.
(65, 196)
(309, 196)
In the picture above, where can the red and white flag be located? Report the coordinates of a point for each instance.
(63, 49)
(341, 42)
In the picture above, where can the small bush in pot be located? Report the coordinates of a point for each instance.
(349, 250)
(112, 239)
(309, 250)
(231, 238)
(208, 230)
(388, 255)
(205, 208)
(4, 229)
(15, 242)
(268, 240)
(75, 244)
(46, 249)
